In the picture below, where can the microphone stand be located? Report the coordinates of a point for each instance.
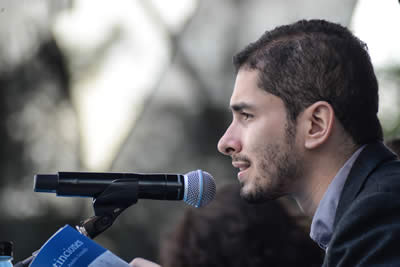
(108, 205)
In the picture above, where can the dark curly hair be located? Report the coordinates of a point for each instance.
(310, 61)
(230, 232)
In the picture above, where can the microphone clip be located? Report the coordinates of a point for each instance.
(108, 205)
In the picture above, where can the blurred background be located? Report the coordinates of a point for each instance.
(140, 86)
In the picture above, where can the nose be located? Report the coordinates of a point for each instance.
(229, 143)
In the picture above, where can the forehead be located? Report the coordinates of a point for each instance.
(247, 92)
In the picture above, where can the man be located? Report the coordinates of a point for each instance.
(305, 124)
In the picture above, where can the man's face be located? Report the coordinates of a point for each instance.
(260, 141)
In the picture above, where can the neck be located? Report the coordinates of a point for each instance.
(319, 173)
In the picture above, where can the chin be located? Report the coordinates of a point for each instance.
(250, 195)
(254, 195)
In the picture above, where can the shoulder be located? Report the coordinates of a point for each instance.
(385, 178)
(367, 226)
(368, 232)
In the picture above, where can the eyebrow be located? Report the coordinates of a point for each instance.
(241, 106)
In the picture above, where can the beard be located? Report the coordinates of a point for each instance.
(279, 165)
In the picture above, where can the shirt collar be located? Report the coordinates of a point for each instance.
(322, 223)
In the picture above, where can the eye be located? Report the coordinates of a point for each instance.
(246, 116)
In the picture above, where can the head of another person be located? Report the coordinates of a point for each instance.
(231, 232)
(302, 91)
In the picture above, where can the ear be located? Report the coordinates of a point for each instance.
(319, 119)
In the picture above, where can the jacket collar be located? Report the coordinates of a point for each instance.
(370, 158)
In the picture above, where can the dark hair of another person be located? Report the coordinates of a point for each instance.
(394, 145)
(316, 60)
(230, 232)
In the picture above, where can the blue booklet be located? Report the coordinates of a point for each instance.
(69, 248)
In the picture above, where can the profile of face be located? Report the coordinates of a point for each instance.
(261, 141)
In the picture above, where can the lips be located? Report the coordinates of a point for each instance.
(242, 166)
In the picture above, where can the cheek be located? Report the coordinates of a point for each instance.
(253, 141)
(264, 134)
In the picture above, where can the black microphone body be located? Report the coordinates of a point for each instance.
(92, 184)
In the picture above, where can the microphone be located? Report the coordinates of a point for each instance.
(196, 188)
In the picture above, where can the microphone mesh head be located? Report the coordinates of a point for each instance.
(199, 188)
